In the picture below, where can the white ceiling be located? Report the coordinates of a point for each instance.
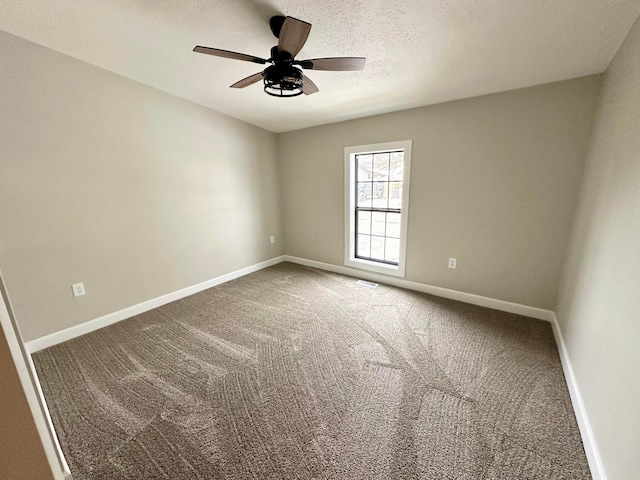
(419, 52)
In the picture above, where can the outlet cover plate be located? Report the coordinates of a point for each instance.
(78, 289)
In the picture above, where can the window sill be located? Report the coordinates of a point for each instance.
(370, 266)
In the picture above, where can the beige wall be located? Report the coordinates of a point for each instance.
(132, 191)
(494, 183)
(599, 301)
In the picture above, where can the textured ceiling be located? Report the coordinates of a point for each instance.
(419, 52)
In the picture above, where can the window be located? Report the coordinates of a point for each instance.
(376, 203)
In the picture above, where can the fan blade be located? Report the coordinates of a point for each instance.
(250, 80)
(336, 64)
(308, 87)
(293, 35)
(227, 54)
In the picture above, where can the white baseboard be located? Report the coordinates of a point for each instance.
(109, 319)
(502, 305)
(100, 322)
(588, 438)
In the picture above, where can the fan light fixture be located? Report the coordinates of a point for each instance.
(283, 81)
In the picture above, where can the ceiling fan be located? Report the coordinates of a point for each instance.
(283, 78)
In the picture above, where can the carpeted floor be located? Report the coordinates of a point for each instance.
(295, 373)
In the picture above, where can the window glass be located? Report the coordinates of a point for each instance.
(378, 183)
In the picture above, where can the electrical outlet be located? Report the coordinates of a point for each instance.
(453, 263)
(272, 239)
(78, 289)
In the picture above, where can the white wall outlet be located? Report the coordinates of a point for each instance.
(78, 289)
(272, 239)
(453, 263)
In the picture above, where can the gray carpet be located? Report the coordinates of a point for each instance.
(295, 373)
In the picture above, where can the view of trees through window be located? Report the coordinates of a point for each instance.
(378, 205)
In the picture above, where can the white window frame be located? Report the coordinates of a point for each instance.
(350, 259)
